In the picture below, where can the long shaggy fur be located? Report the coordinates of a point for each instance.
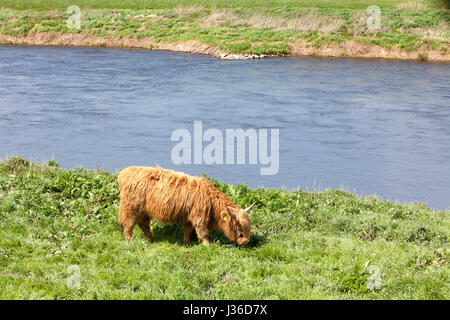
(168, 196)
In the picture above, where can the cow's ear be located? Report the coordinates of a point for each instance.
(231, 213)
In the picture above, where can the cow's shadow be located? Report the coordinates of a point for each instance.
(173, 233)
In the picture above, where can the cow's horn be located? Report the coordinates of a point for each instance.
(249, 208)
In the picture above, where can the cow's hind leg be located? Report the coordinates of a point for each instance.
(127, 219)
(144, 222)
(128, 227)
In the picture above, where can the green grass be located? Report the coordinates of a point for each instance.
(304, 245)
(158, 4)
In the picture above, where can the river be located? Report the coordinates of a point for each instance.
(373, 127)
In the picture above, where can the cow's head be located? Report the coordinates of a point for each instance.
(240, 225)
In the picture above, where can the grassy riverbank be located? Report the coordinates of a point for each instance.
(409, 29)
(304, 245)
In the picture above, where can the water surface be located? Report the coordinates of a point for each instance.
(376, 127)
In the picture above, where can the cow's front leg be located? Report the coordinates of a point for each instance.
(187, 232)
(202, 234)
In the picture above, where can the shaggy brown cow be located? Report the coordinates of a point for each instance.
(170, 197)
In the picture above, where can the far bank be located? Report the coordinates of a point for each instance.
(404, 34)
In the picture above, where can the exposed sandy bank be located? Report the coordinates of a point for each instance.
(347, 48)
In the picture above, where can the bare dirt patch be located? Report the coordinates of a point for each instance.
(85, 40)
(359, 50)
